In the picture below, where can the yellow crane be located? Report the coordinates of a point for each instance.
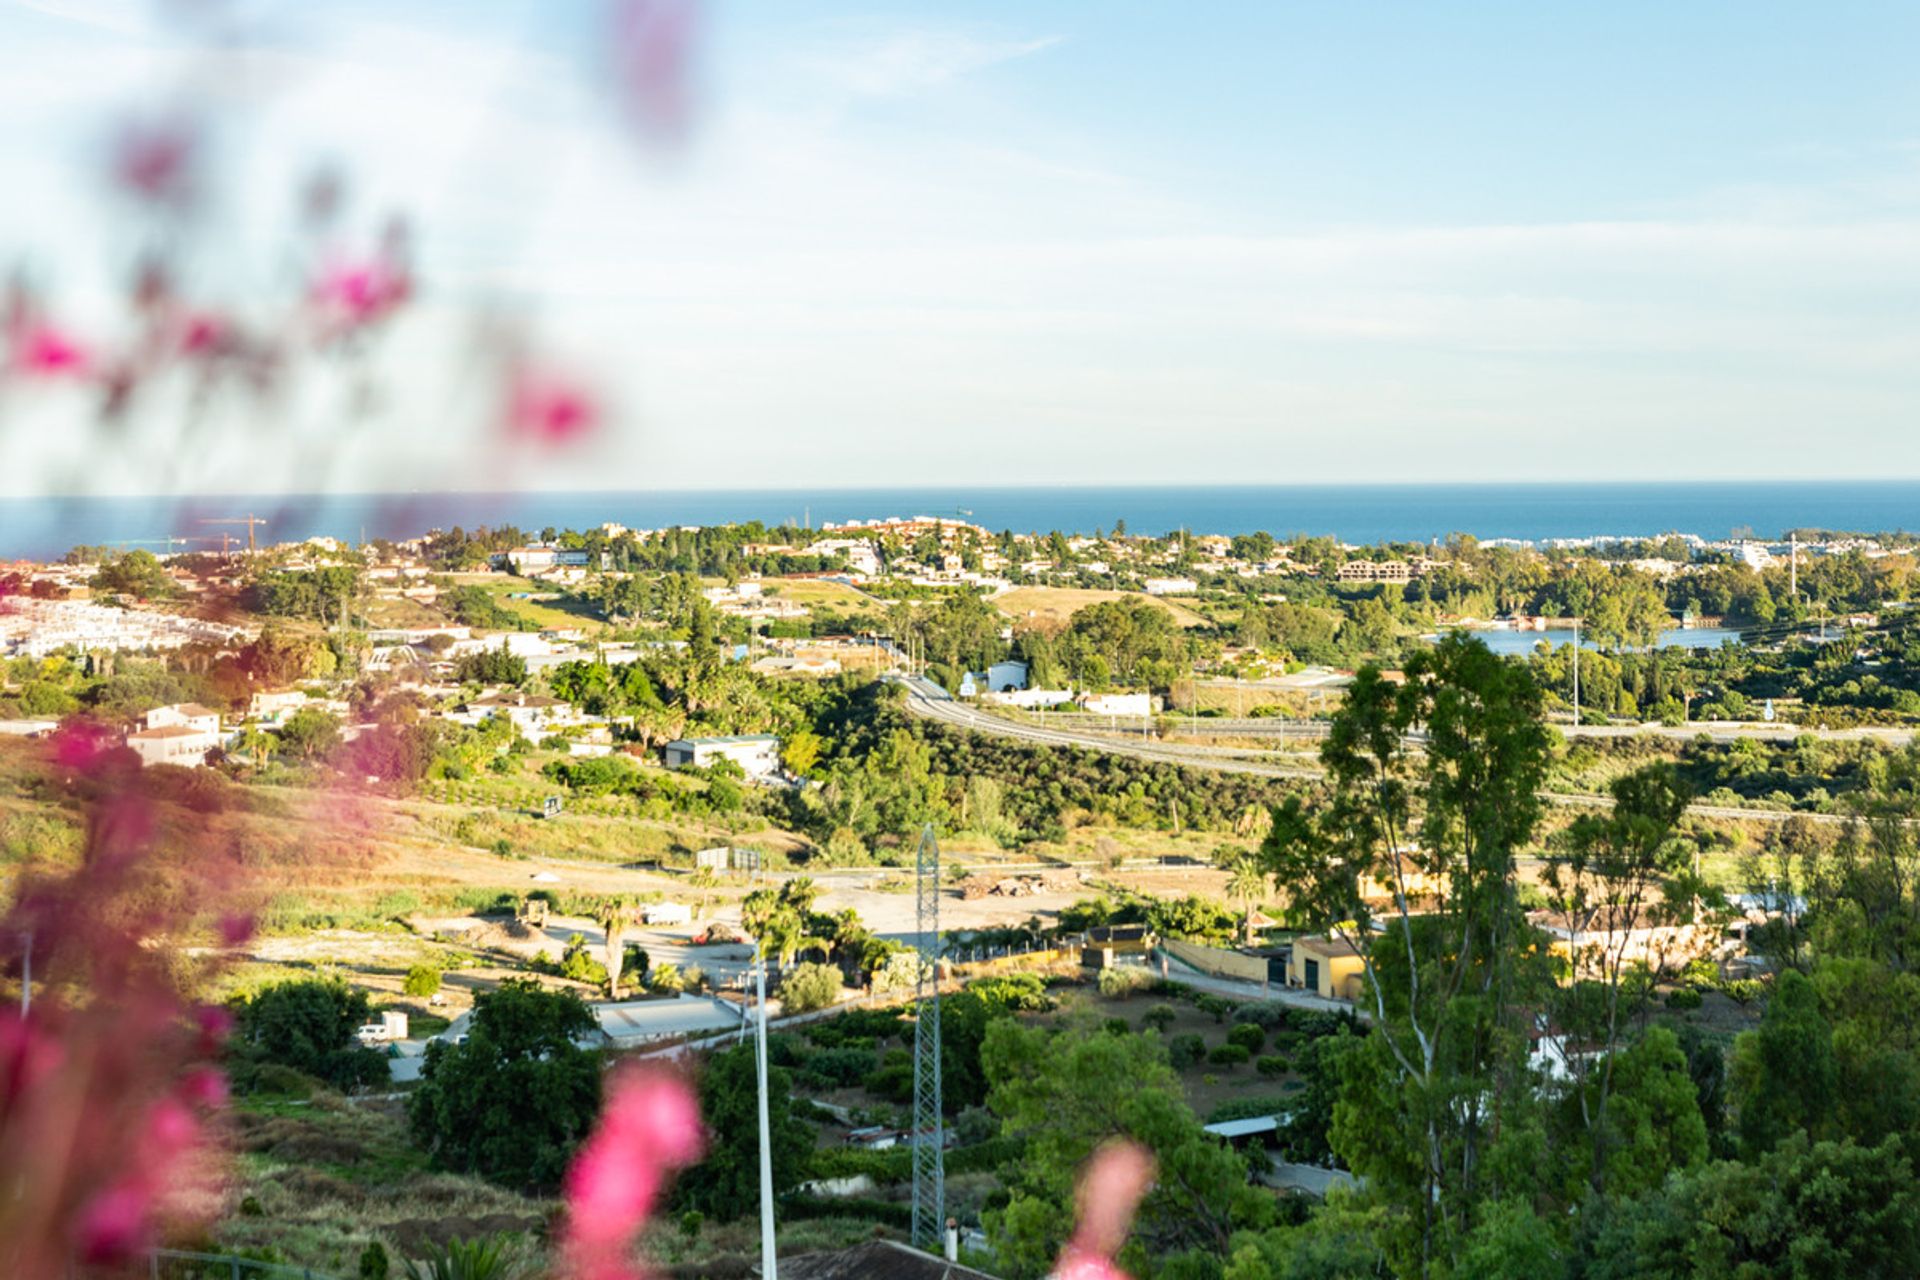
(248, 520)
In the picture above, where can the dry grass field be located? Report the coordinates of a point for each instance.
(1060, 603)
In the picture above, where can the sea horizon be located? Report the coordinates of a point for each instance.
(1371, 512)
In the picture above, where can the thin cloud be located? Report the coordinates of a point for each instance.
(904, 63)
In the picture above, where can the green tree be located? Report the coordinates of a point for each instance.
(422, 980)
(513, 1100)
(801, 751)
(1065, 1092)
(1807, 1211)
(1247, 884)
(1437, 1110)
(1651, 1127)
(309, 1024)
(133, 573)
(309, 734)
(726, 1183)
(492, 666)
(1781, 1076)
(1604, 880)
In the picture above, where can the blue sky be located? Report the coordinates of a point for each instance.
(1090, 243)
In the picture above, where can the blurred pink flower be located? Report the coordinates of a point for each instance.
(215, 1025)
(652, 60)
(204, 335)
(649, 1126)
(114, 1224)
(154, 161)
(356, 294)
(1116, 1178)
(81, 745)
(123, 1219)
(44, 351)
(549, 409)
(27, 1055)
(206, 1088)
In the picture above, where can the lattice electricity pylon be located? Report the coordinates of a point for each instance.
(929, 1155)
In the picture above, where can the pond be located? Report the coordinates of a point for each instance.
(1671, 638)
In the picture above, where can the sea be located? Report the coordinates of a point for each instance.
(46, 527)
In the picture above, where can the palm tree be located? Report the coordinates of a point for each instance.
(615, 924)
(1248, 883)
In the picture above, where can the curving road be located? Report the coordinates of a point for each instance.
(929, 701)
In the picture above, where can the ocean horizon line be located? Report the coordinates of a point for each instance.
(45, 527)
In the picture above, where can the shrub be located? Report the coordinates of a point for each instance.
(1228, 1055)
(1159, 1018)
(974, 1125)
(1684, 998)
(809, 987)
(1014, 992)
(1216, 1006)
(1271, 1064)
(837, 1068)
(577, 963)
(1270, 1014)
(1184, 1051)
(1119, 983)
(463, 1260)
(1249, 1036)
(373, 1261)
(422, 980)
(1118, 1027)
(1314, 1023)
(667, 978)
(893, 1079)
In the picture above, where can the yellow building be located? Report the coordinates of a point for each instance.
(1331, 967)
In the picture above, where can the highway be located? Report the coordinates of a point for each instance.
(1716, 730)
(929, 701)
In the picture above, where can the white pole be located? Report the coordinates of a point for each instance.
(1576, 673)
(768, 1267)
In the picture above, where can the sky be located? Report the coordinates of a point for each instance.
(1002, 243)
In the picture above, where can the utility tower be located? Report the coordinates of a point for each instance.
(929, 1155)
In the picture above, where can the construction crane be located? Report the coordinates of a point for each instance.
(248, 520)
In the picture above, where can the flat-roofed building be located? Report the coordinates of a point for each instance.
(756, 753)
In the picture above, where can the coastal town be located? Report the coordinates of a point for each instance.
(617, 767)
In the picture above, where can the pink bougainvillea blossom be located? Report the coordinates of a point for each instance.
(81, 745)
(204, 334)
(1111, 1189)
(649, 1127)
(652, 60)
(108, 1103)
(549, 408)
(43, 351)
(353, 295)
(155, 161)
